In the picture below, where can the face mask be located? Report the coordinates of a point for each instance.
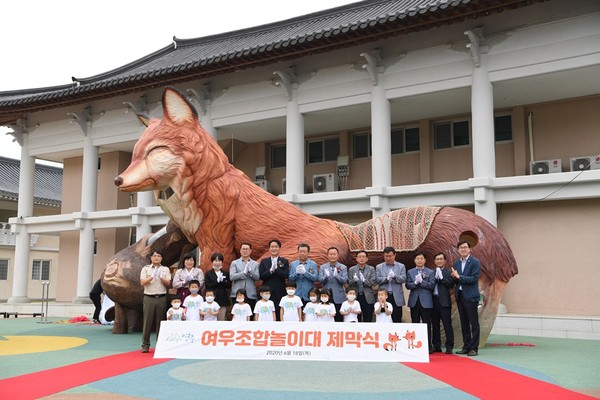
(351, 297)
(217, 267)
(175, 305)
(240, 300)
(194, 291)
(265, 296)
(210, 298)
(324, 299)
(291, 292)
(313, 298)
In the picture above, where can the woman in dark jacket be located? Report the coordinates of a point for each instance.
(218, 280)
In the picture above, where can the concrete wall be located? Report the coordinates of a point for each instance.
(555, 244)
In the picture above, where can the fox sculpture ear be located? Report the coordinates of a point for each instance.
(144, 119)
(177, 109)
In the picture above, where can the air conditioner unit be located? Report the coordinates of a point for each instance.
(262, 183)
(283, 186)
(545, 167)
(585, 163)
(325, 183)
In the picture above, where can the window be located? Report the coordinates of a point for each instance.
(3, 270)
(398, 141)
(278, 159)
(450, 134)
(503, 128)
(40, 270)
(318, 151)
(361, 145)
(413, 140)
(405, 140)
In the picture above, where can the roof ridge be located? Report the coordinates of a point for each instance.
(278, 24)
(124, 68)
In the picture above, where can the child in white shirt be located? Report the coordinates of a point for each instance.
(310, 309)
(264, 309)
(193, 302)
(383, 309)
(176, 313)
(326, 310)
(210, 308)
(290, 306)
(350, 308)
(241, 310)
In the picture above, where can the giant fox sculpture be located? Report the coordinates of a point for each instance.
(215, 206)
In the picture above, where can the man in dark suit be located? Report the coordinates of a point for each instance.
(465, 273)
(274, 271)
(442, 305)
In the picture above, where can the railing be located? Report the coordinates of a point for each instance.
(559, 186)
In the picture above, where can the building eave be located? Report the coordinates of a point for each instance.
(132, 78)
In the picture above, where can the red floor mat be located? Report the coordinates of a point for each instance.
(487, 382)
(55, 380)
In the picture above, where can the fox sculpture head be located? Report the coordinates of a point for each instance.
(168, 158)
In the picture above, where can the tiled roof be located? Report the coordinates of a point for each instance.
(188, 59)
(47, 187)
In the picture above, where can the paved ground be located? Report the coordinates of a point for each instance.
(572, 364)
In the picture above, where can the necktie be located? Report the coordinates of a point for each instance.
(463, 263)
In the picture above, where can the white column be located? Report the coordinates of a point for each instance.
(294, 151)
(484, 150)
(206, 120)
(22, 240)
(144, 200)
(89, 192)
(381, 143)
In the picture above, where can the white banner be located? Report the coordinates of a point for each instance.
(293, 341)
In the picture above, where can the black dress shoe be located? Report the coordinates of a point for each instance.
(472, 353)
(438, 350)
(463, 351)
(449, 351)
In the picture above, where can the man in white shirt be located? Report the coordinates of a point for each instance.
(155, 278)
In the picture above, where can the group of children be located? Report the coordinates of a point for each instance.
(195, 308)
(320, 308)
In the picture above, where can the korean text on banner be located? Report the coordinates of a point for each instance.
(293, 341)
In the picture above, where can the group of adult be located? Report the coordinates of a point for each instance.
(429, 296)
